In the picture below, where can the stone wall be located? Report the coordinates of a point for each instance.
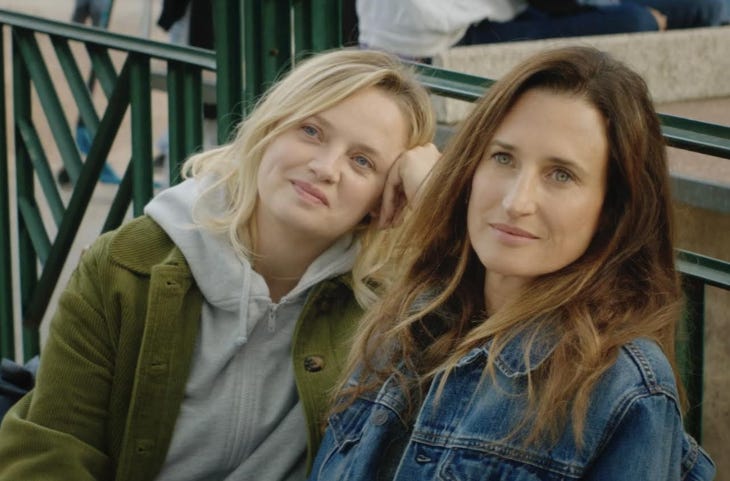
(677, 64)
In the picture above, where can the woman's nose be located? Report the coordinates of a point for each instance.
(326, 165)
(520, 197)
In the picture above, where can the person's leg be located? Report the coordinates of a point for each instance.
(533, 25)
(80, 12)
(687, 13)
(179, 32)
(99, 12)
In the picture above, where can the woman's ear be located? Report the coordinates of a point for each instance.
(374, 213)
(373, 216)
(370, 217)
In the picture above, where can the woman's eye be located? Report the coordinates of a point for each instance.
(362, 161)
(502, 159)
(310, 131)
(562, 176)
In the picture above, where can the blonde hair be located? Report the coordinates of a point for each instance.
(623, 287)
(313, 86)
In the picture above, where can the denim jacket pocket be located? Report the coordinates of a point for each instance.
(471, 465)
(347, 426)
(358, 442)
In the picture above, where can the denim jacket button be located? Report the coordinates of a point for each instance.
(379, 418)
(422, 458)
(313, 363)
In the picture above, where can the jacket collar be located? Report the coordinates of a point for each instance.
(512, 360)
(157, 248)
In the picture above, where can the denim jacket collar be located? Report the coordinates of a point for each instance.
(511, 360)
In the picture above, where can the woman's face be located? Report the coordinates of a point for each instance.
(538, 191)
(320, 178)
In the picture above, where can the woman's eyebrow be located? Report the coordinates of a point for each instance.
(365, 148)
(501, 144)
(318, 118)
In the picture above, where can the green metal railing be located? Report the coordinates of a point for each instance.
(275, 31)
(7, 335)
(126, 89)
(698, 272)
(266, 51)
(278, 31)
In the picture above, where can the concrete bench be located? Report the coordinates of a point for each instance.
(677, 65)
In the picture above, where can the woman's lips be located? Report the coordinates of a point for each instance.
(310, 191)
(513, 231)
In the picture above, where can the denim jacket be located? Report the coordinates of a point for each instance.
(633, 428)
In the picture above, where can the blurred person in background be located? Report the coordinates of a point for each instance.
(420, 29)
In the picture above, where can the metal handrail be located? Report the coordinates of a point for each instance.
(129, 88)
(687, 134)
(205, 59)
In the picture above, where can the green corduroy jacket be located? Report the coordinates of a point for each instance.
(116, 361)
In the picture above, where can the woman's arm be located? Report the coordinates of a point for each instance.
(649, 442)
(59, 430)
(404, 180)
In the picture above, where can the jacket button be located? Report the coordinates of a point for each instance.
(379, 417)
(313, 363)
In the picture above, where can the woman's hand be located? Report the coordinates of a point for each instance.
(661, 19)
(403, 181)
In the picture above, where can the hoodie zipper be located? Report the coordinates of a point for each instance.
(271, 321)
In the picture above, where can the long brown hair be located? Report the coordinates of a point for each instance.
(623, 287)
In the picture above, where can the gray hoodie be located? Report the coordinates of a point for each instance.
(240, 418)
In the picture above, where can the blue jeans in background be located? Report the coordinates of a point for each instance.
(627, 17)
(533, 24)
(688, 13)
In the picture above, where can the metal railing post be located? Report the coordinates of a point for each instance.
(690, 352)
(267, 45)
(317, 25)
(141, 107)
(27, 261)
(185, 114)
(227, 18)
(7, 317)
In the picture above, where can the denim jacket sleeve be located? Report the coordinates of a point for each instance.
(639, 447)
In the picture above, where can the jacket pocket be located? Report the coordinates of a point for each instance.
(472, 465)
(357, 442)
(347, 426)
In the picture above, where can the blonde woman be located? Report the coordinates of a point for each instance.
(532, 334)
(199, 341)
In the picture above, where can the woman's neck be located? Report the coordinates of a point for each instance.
(282, 258)
(498, 289)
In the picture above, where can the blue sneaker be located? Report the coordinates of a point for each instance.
(83, 139)
(83, 142)
(108, 176)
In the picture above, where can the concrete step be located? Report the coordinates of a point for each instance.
(677, 65)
